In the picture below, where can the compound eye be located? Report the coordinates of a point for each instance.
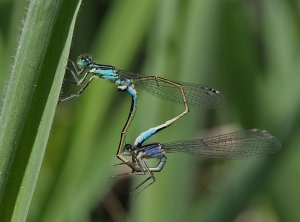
(128, 147)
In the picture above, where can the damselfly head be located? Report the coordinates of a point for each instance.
(83, 61)
(128, 149)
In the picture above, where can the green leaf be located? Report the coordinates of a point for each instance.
(30, 101)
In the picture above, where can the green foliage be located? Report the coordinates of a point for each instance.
(30, 100)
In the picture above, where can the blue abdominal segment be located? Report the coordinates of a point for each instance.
(132, 92)
(145, 135)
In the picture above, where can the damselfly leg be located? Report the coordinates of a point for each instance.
(151, 170)
(78, 80)
(143, 185)
(81, 90)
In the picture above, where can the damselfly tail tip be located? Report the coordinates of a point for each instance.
(273, 142)
(212, 90)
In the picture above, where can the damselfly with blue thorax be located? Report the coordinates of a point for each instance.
(85, 71)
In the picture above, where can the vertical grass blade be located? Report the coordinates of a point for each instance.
(11, 38)
(30, 101)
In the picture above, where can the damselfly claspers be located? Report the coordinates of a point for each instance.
(85, 71)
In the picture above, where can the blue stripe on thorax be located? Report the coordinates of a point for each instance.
(154, 152)
(110, 73)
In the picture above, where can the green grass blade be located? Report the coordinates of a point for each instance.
(3, 76)
(11, 39)
(30, 101)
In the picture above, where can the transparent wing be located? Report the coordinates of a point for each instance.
(196, 94)
(236, 145)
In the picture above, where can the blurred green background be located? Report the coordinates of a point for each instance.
(249, 50)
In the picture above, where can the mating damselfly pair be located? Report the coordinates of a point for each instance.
(236, 145)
